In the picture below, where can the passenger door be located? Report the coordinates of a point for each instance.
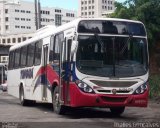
(44, 76)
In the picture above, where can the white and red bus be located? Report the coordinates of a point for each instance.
(84, 63)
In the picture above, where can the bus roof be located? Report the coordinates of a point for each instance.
(50, 30)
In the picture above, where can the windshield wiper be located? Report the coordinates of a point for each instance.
(125, 46)
(99, 40)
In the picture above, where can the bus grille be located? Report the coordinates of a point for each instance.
(113, 99)
(117, 91)
(114, 83)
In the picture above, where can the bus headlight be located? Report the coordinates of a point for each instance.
(85, 88)
(141, 89)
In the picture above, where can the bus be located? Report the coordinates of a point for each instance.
(91, 62)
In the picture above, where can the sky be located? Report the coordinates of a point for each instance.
(66, 4)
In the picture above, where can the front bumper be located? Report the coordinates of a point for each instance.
(81, 99)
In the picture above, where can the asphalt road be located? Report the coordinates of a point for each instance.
(13, 115)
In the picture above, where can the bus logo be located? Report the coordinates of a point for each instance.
(114, 91)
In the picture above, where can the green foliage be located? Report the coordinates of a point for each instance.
(146, 11)
(154, 82)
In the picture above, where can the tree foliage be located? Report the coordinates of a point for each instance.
(147, 11)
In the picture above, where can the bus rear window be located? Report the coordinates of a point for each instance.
(111, 27)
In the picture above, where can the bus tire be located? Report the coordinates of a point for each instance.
(117, 111)
(57, 107)
(23, 101)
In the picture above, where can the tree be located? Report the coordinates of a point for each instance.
(146, 11)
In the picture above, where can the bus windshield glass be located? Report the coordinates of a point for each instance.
(112, 56)
(111, 27)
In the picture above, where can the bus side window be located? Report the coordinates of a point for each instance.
(38, 51)
(23, 56)
(30, 57)
(51, 49)
(56, 55)
(17, 58)
(55, 47)
(55, 50)
(11, 60)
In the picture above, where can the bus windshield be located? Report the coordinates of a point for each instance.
(112, 56)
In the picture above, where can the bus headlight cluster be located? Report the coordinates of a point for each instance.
(141, 89)
(85, 88)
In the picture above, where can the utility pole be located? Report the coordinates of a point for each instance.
(36, 21)
(37, 14)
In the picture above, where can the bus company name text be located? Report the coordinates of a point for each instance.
(27, 73)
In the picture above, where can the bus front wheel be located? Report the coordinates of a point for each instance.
(57, 107)
(117, 111)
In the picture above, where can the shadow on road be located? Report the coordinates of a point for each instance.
(78, 113)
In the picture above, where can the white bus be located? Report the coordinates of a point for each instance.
(84, 63)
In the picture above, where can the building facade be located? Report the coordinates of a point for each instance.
(18, 20)
(95, 8)
(17, 17)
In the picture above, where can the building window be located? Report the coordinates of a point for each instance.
(16, 18)
(57, 10)
(6, 11)
(28, 27)
(16, 10)
(28, 19)
(8, 41)
(19, 40)
(4, 58)
(22, 26)
(69, 14)
(58, 19)
(6, 19)
(7, 27)
(16, 26)
(23, 11)
(24, 38)
(14, 40)
(23, 19)
(3, 41)
(28, 11)
(51, 20)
